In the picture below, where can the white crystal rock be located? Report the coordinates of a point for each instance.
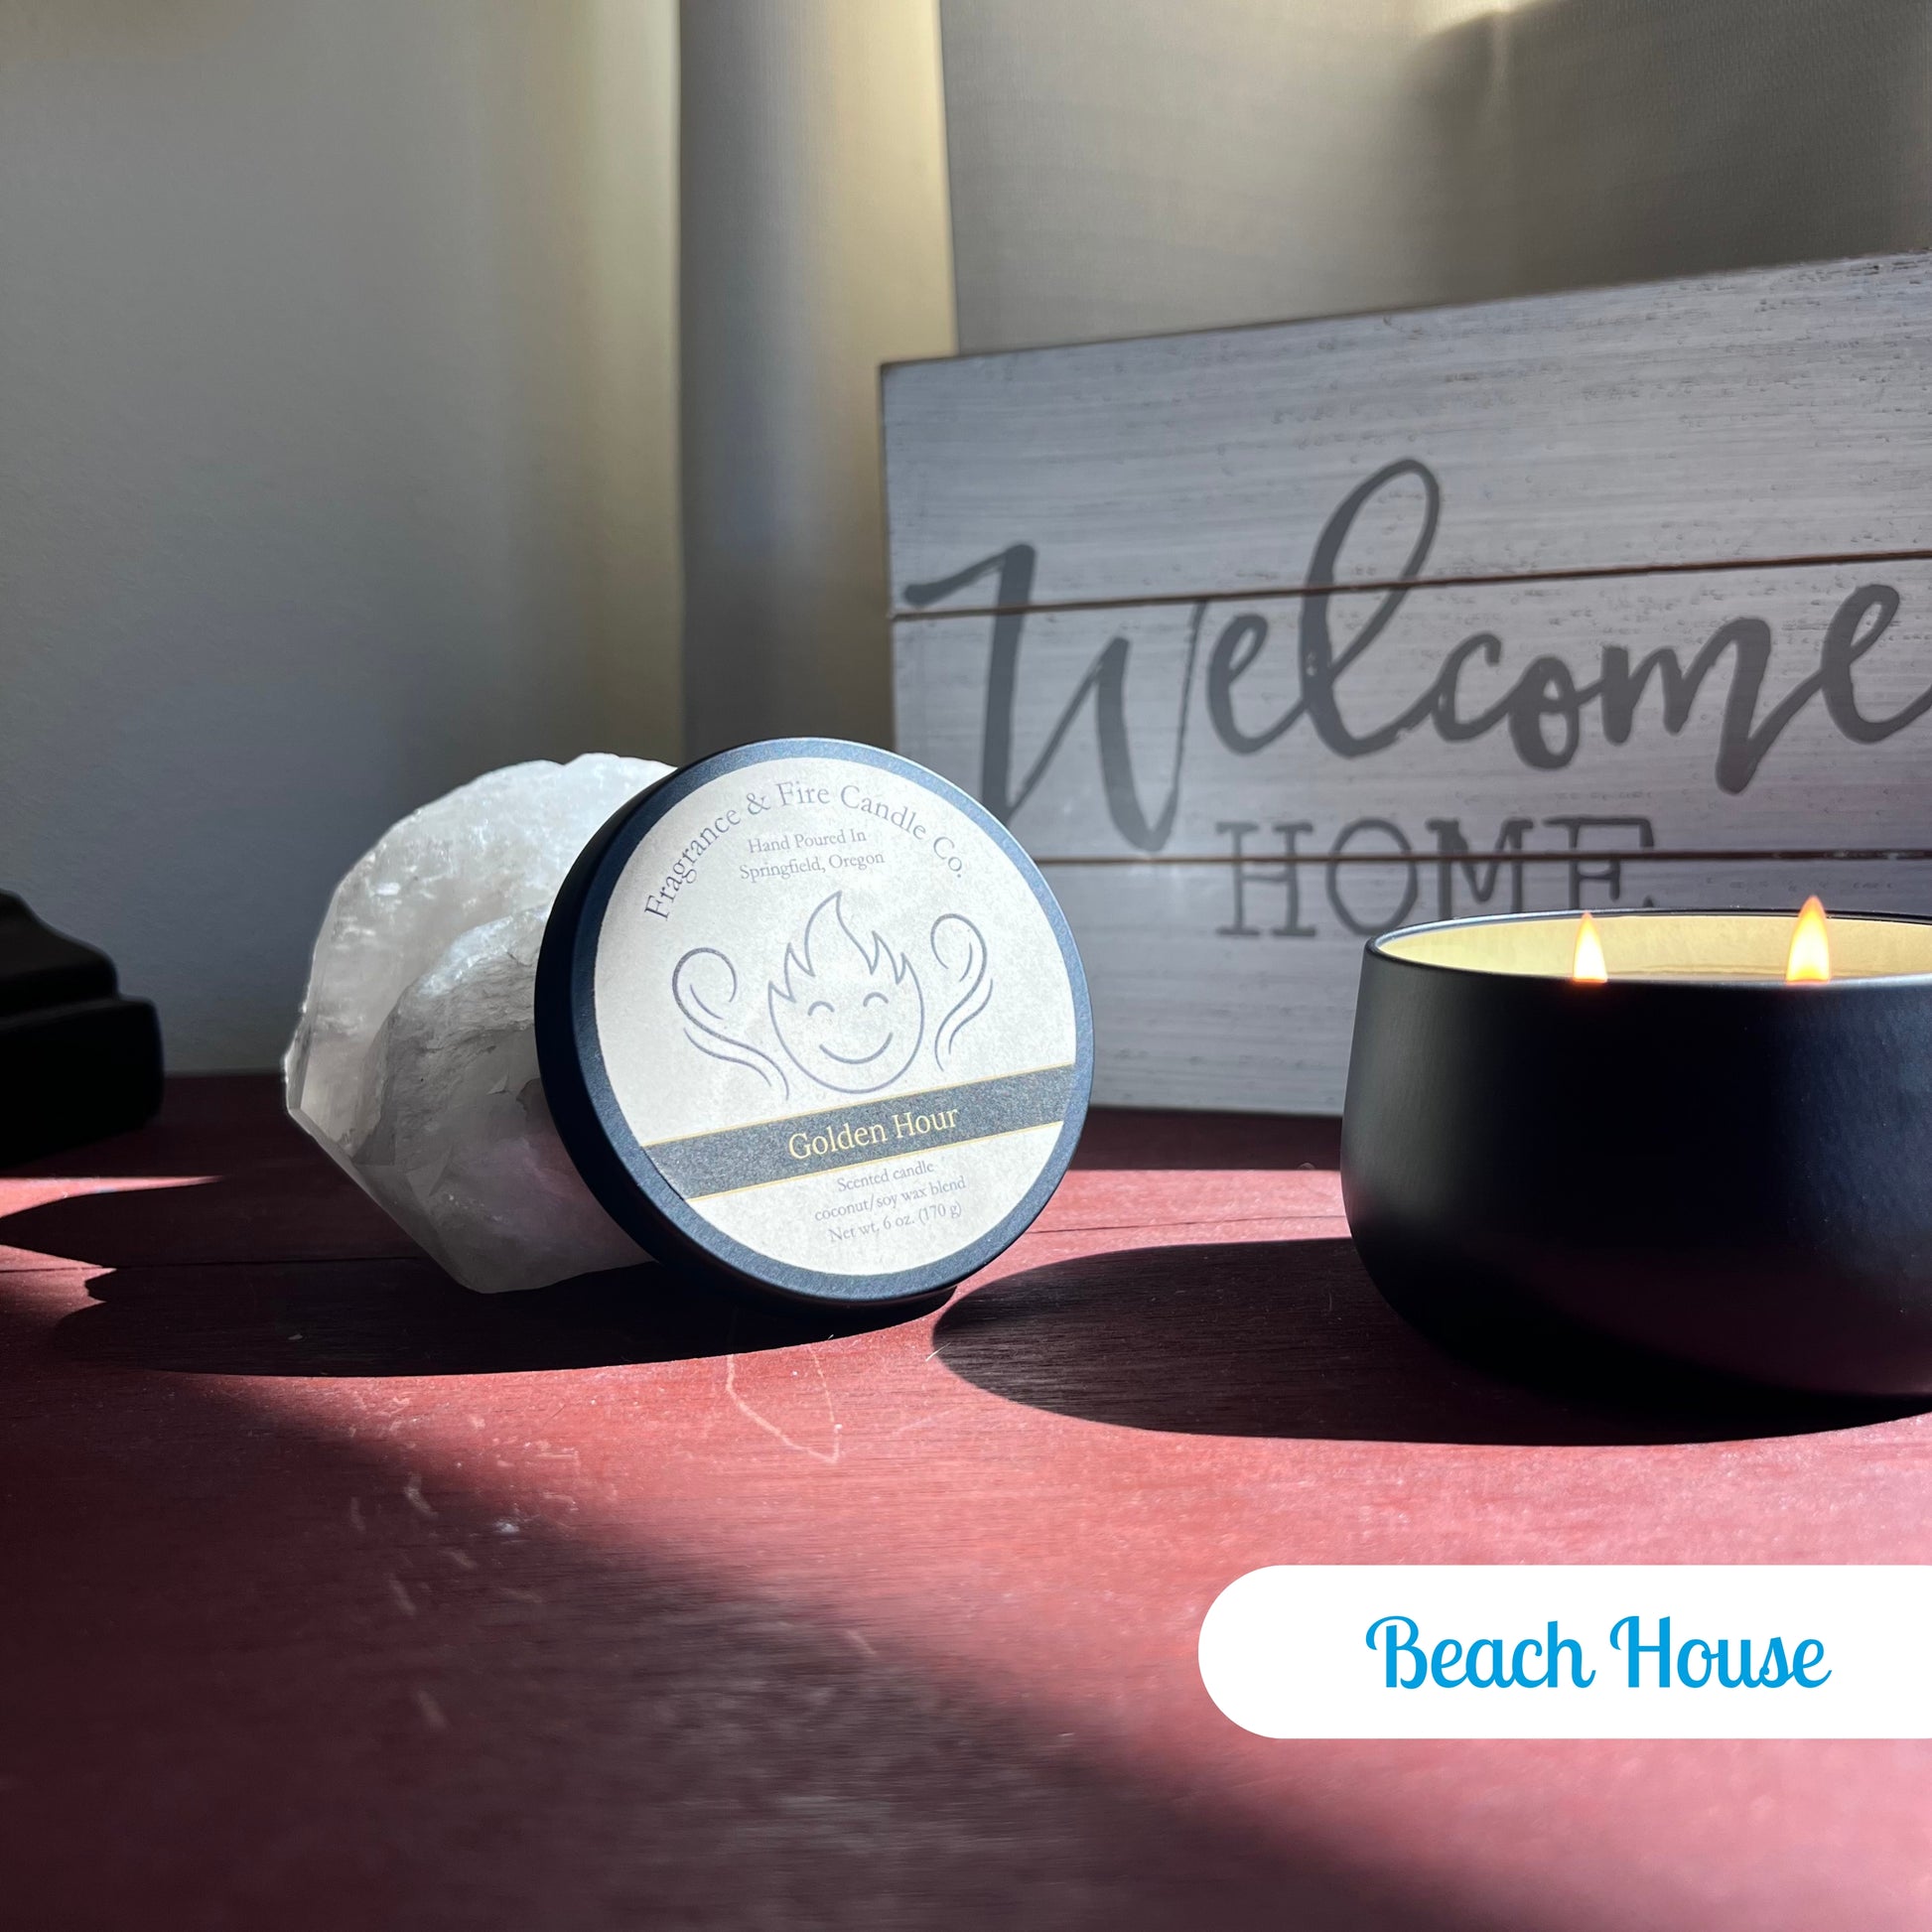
(415, 1060)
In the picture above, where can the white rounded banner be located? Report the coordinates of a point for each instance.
(1574, 1650)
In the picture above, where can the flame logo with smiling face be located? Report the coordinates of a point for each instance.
(850, 1017)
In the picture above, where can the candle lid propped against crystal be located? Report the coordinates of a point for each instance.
(810, 1019)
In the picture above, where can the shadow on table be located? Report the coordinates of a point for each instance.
(181, 1294)
(308, 1695)
(406, 1318)
(1292, 1339)
(1148, 1138)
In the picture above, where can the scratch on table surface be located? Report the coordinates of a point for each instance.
(431, 1711)
(412, 1492)
(355, 1516)
(400, 1591)
(517, 1595)
(461, 1559)
(828, 1456)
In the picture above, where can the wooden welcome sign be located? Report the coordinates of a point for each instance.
(1267, 639)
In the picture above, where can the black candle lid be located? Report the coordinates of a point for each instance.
(810, 1019)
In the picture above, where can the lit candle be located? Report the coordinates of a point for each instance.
(1706, 1135)
(1810, 956)
(1592, 948)
(1586, 961)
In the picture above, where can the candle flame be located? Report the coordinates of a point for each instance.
(1586, 963)
(1810, 958)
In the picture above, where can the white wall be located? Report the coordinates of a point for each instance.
(1572, 142)
(1121, 167)
(1126, 166)
(336, 450)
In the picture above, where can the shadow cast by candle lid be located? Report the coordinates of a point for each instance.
(406, 1318)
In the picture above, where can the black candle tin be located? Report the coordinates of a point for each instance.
(1692, 1156)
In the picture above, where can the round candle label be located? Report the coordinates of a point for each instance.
(825, 1022)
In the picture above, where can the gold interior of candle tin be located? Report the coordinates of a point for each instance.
(1666, 945)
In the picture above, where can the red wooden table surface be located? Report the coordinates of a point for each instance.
(336, 1597)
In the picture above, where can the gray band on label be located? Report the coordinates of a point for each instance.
(862, 1132)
